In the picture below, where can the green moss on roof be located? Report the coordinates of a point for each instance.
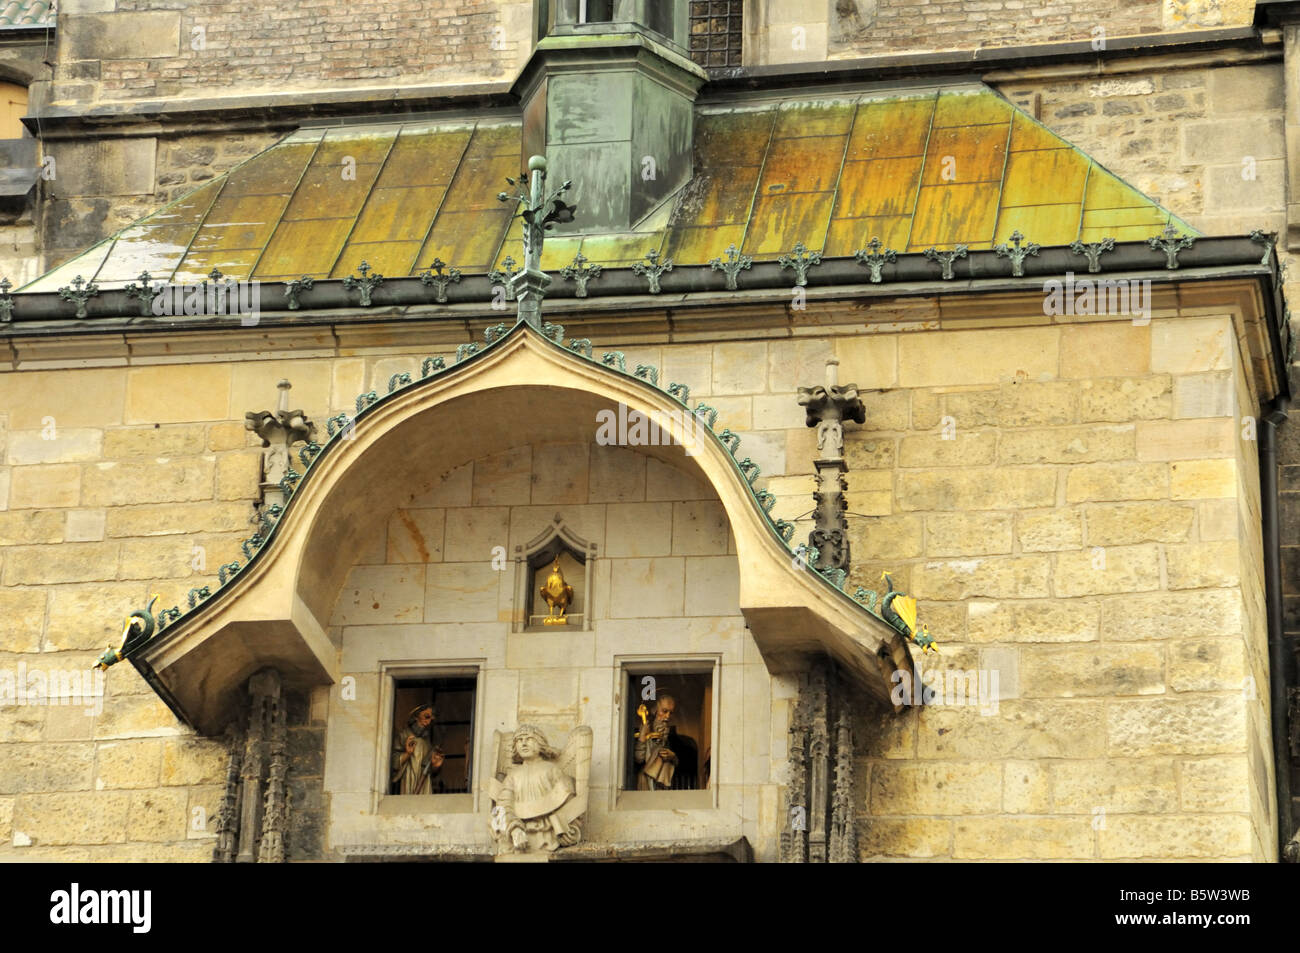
(938, 169)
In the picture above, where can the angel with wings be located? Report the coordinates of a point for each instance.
(542, 797)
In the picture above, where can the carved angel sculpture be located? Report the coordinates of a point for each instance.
(541, 798)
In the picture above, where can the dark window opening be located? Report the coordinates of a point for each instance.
(716, 32)
(449, 733)
(689, 736)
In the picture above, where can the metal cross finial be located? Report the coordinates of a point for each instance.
(800, 260)
(433, 276)
(531, 284)
(874, 258)
(80, 292)
(1093, 251)
(735, 263)
(143, 292)
(946, 258)
(6, 302)
(505, 278)
(653, 270)
(366, 283)
(579, 273)
(1171, 243)
(292, 288)
(216, 276)
(1016, 253)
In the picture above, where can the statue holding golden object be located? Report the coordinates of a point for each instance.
(558, 595)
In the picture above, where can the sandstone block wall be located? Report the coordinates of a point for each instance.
(790, 31)
(144, 49)
(1090, 532)
(665, 582)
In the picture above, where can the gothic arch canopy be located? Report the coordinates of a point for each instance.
(522, 388)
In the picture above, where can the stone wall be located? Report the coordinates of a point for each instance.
(157, 49)
(101, 186)
(1208, 144)
(424, 589)
(1086, 532)
(796, 31)
(1089, 532)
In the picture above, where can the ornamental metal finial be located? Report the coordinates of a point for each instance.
(653, 270)
(1017, 253)
(800, 260)
(946, 258)
(433, 276)
(80, 292)
(505, 278)
(874, 258)
(580, 273)
(735, 263)
(292, 289)
(365, 284)
(1171, 243)
(143, 292)
(1093, 251)
(530, 284)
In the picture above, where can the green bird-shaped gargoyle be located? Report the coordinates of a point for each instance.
(899, 610)
(137, 630)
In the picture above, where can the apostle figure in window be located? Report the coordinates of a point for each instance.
(416, 761)
(667, 760)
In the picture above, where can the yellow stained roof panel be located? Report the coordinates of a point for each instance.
(1057, 224)
(954, 214)
(305, 248)
(390, 259)
(802, 165)
(813, 119)
(885, 130)
(1043, 177)
(958, 166)
(240, 221)
(960, 155)
(881, 187)
(847, 235)
(781, 220)
(398, 215)
(726, 197)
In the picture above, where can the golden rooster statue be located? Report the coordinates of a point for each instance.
(558, 595)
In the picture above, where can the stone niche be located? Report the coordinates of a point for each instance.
(442, 591)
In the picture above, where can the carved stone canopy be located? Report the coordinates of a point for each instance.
(274, 612)
(279, 431)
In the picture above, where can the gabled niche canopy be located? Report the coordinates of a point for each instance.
(533, 564)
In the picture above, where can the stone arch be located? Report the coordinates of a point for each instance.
(275, 611)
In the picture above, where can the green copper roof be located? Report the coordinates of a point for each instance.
(26, 13)
(932, 169)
